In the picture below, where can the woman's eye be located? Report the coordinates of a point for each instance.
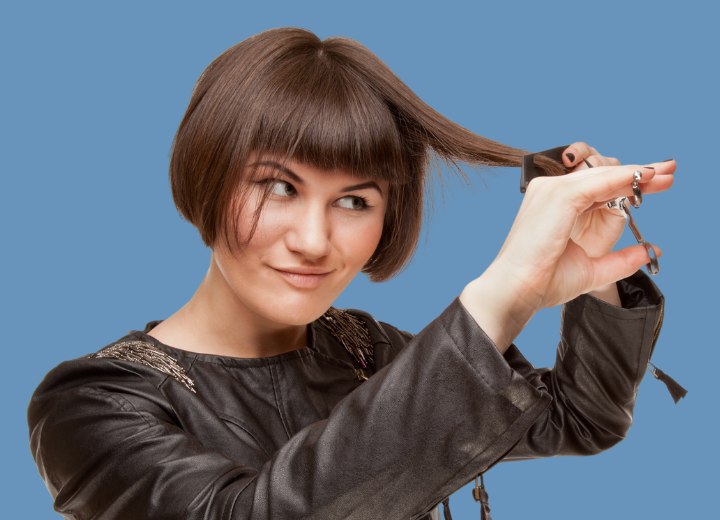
(282, 189)
(353, 202)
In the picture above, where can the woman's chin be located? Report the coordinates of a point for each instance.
(298, 312)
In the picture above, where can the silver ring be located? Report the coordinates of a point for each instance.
(637, 194)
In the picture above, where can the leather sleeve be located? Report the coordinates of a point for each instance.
(601, 359)
(109, 446)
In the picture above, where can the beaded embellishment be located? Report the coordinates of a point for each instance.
(352, 332)
(149, 355)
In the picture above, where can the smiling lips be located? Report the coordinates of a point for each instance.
(303, 278)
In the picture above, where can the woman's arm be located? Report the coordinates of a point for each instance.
(601, 359)
(559, 247)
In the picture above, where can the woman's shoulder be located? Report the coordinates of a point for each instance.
(385, 340)
(132, 361)
(380, 331)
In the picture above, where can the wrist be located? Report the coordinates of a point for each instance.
(608, 293)
(500, 305)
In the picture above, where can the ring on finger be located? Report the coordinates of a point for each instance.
(637, 194)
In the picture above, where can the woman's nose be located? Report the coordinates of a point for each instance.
(309, 232)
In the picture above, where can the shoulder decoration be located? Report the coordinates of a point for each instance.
(147, 354)
(353, 334)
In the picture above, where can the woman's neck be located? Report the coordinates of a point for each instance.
(214, 321)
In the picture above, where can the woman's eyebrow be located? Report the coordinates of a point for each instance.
(362, 186)
(295, 177)
(287, 171)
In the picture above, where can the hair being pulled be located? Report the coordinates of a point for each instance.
(328, 103)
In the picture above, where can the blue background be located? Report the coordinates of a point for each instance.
(92, 93)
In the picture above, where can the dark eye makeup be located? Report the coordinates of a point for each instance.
(285, 189)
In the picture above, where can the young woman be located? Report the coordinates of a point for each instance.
(302, 162)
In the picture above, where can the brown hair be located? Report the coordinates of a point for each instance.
(328, 103)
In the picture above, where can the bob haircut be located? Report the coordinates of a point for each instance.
(328, 103)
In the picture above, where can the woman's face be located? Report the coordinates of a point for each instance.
(315, 232)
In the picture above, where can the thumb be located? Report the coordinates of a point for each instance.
(617, 265)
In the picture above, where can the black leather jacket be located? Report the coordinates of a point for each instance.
(299, 436)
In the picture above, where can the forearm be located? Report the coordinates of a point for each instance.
(600, 362)
(500, 307)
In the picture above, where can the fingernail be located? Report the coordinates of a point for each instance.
(667, 160)
(570, 156)
(650, 167)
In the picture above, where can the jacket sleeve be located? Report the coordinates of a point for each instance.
(601, 359)
(110, 446)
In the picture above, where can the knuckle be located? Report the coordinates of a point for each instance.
(608, 161)
(582, 147)
(537, 185)
(549, 188)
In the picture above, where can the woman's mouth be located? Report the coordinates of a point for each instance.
(303, 278)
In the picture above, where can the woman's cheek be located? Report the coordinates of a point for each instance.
(365, 239)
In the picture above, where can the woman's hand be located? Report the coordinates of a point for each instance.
(541, 264)
(595, 231)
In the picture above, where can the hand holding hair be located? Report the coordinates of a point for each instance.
(544, 261)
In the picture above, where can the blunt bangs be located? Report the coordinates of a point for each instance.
(316, 111)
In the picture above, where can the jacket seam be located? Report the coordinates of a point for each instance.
(123, 403)
(587, 301)
(233, 420)
(462, 354)
(237, 496)
(278, 401)
(639, 367)
(469, 362)
(252, 362)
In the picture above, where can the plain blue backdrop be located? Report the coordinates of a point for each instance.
(92, 93)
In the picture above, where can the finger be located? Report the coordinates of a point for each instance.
(662, 180)
(649, 170)
(668, 166)
(595, 161)
(657, 185)
(584, 188)
(600, 160)
(620, 264)
(576, 152)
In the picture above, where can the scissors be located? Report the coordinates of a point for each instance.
(529, 171)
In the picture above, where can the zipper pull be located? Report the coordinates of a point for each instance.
(480, 495)
(677, 392)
